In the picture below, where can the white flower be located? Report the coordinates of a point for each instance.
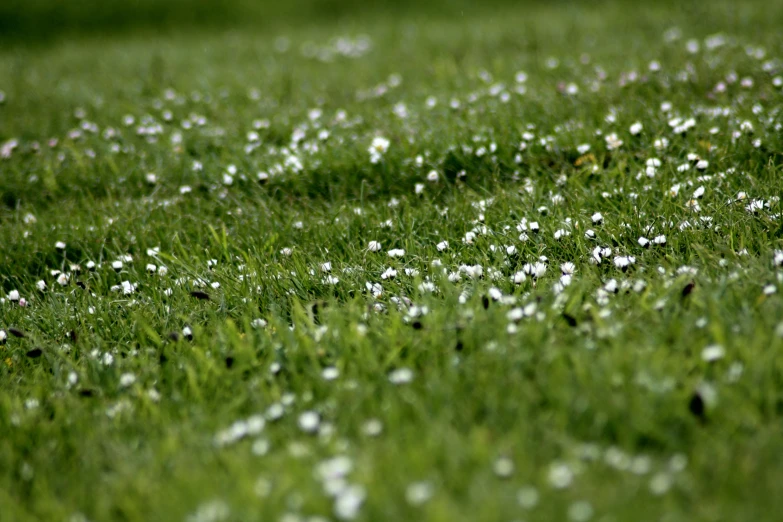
(623, 262)
(116, 265)
(13, 295)
(495, 294)
(418, 493)
(330, 373)
(59, 245)
(580, 511)
(389, 273)
(374, 246)
(503, 467)
(432, 175)
(713, 353)
(396, 252)
(151, 268)
(348, 502)
(599, 253)
(258, 323)
(473, 271)
(597, 218)
(443, 245)
(754, 206)
(151, 178)
(660, 483)
(560, 475)
(613, 141)
(401, 376)
(427, 286)
(372, 428)
(527, 497)
(127, 379)
(378, 148)
(309, 421)
(636, 128)
(534, 270)
(567, 268)
(62, 279)
(699, 192)
(515, 314)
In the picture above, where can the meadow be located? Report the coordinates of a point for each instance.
(442, 261)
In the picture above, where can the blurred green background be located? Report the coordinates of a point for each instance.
(35, 21)
(32, 22)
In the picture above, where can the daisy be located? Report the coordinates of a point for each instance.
(378, 148)
(613, 142)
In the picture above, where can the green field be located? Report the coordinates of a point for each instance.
(440, 261)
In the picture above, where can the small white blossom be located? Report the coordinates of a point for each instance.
(418, 493)
(713, 353)
(401, 376)
(309, 421)
(378, 148)
(127, 379)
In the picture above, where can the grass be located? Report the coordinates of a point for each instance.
(248, 380)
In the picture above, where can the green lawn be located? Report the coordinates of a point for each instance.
(443, 262)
